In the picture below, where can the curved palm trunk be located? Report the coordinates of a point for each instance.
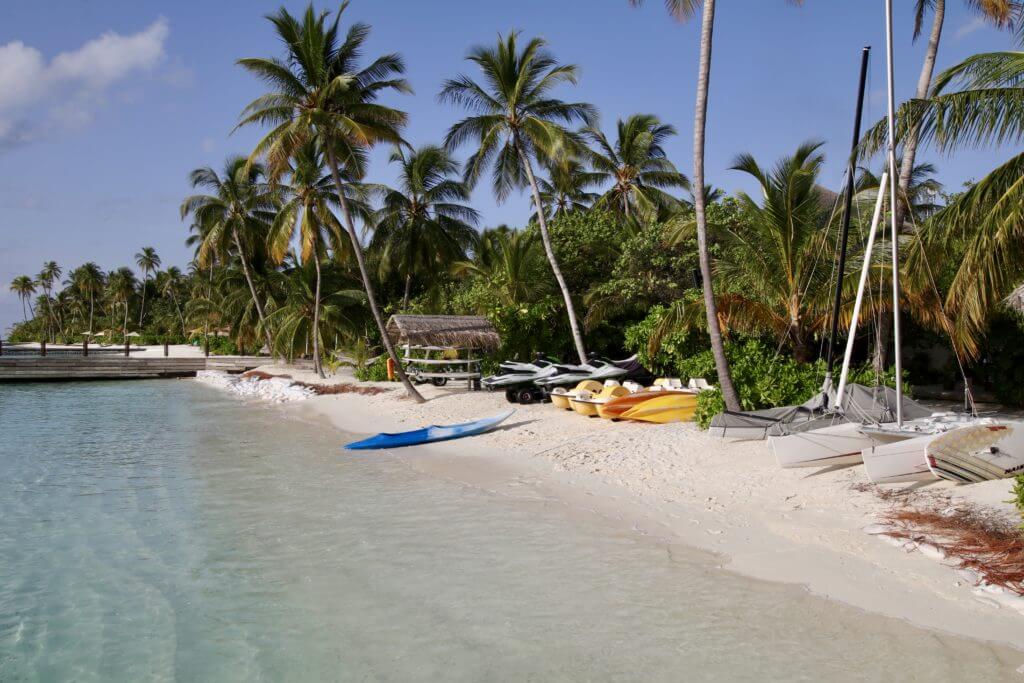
(408, 286)
(577, 337)
(177, 306)
(367, 284)
(142, 308)
(317, 363)
(699, 126)
(252, 290)
(924, 84)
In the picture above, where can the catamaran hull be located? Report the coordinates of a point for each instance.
(839, 444)
(899, 461)
(978, 453)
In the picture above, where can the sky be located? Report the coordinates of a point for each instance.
(106, 106)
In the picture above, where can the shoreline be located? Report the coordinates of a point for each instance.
(679, 485)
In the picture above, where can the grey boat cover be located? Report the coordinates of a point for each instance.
(866, 405)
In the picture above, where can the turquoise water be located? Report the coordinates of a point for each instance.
(163, 531)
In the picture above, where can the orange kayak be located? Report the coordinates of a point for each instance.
(614, 408)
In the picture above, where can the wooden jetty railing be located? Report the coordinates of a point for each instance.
(55, 368)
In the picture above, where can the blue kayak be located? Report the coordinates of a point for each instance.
(430, 434)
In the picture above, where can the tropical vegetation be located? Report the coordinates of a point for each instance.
(300, 249)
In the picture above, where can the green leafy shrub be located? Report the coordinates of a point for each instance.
(709, 404)
(1018, 496)
(673, 347)
(219, 346)
(377, 371)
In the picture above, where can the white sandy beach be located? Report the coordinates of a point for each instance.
(677, 483)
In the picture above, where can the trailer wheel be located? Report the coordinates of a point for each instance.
(526, 395)
(510, 395)
(439, 381)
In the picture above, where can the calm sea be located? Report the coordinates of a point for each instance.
(164, 531)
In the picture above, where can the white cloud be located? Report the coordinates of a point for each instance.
(975, 24)
(38, 98)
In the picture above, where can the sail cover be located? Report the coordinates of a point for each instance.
(866, 405)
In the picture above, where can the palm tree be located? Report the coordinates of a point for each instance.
(510, 261)
(148, 261)
(637, 167)
(24, 287)
(1001, 14)
(236, 215)
(306, 315)
(423, 225)
(516, 121)
(920, 194)
(120, 288)
(319, 93)
(308, 196)
(567, 188)
(50, 273)
(88, 280)
(976, 102)
(772, 259)
(167, 283)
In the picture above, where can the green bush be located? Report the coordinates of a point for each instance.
(1018, 496)
(219, 346)
(709, 404)
(377, 371)
(673, 347)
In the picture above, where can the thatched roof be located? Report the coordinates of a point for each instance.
(463, 331)
(1016, 299)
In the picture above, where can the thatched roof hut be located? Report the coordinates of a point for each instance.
(460, 331)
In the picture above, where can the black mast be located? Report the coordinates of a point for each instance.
(851, 173)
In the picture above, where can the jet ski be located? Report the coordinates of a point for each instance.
(516, 378)
(597, 369)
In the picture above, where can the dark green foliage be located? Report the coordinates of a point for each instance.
(377, 371)
(1018, 495)
(587, 245)
(673, 347)
(1003, 361)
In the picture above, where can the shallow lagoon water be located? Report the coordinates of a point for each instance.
(161, 530)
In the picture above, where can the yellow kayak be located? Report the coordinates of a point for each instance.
(676, 407)
(560, 397)
(613, 409)
(586, 403)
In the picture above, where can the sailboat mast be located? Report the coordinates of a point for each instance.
(893, 198)
(851, 171)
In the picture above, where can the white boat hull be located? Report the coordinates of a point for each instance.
(901, 461)
(839, 444)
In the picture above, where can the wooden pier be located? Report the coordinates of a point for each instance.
(56, 368)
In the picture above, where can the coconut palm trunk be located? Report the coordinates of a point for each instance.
(252, 290)
(177, 306)
(699, 204)
(317, 363)
(408, 286)
(367, 284)
(142, 308)
(542, 222)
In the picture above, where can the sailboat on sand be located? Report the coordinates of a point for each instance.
(912, 447)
